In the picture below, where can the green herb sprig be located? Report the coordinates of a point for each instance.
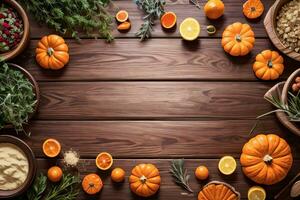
(153, 9)
(17, 98)
(66, 189)
(180, 174)
(73, 16)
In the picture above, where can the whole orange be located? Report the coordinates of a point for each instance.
(55, 174)
(202, 173)
(118, 175)
(214, 9)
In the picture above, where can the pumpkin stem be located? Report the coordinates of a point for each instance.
(267, 158)
(50, 51)
(143, 179)
(253, 9)
(270, 64)
(238, 38)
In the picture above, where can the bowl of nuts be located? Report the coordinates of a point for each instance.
(282, 24)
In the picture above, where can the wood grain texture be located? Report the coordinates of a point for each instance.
(168, 190)
(154, 139)
(160, 59)
(183, 9)
(151, 100)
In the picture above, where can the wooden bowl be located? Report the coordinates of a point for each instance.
(283, 118)
(26, 35)
(36, 89)
(270, 26)
(32, 167)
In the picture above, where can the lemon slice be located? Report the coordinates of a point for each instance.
(227, 165)
(189, 29)
(256, 193)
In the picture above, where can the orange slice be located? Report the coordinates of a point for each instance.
(122, 16)
(51, 148)
(168, 20)
(104, 161)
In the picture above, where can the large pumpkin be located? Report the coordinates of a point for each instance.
(266, 159)
(268, 65)
(144, 180)
(52, 52)
(238, 39)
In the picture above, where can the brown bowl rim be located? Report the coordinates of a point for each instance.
(32, 166)
(35, 87)
(26, 35)
(283, 118)
(278, 43)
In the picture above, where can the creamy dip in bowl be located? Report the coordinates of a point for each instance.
(17, 167)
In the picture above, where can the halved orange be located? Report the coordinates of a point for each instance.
(168, 20)
(122, 16)
(51, 148)
(104, 161)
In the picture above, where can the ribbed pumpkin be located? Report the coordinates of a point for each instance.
(253, 9)
(218, 191)
(144, 180)
(92, 184)
(52, 52)
(238, 39)
(268, 65)
(266, 159)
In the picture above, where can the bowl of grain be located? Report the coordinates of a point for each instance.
(282, 24)
(17, 167)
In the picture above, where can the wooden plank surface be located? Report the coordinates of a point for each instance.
(169, 190)
(160, 59)
(142, 100)
(183, 9)
(154, 139)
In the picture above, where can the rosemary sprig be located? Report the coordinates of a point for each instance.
(291, 108)
(67, 189)
(180, 174)
(153, 9)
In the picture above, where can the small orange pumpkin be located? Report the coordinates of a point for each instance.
(238, 39)
(266, 159)
(52, 52)
(268, 65)
(214, 9)
(144, 180)
(253, 9)
(92, 184)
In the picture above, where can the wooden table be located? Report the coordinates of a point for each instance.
(155, 101)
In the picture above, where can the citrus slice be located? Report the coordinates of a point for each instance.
(257, 193)
(51, 148)
(227, 165)
(122, 16)
(189, 29)
(168, 20)
(104, 161)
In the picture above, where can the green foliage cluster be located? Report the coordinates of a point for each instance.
(17, 98)
(154, 9)
(73, 16)
(41, 189)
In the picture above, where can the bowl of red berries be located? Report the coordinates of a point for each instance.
(14, 29)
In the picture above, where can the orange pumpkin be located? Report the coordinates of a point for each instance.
(52, 52)
(266, 159)
(253, 9)
(144, 180)
(218, 191)
(268, 65)
(238, 39)
(92, 184)
(214, 9)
